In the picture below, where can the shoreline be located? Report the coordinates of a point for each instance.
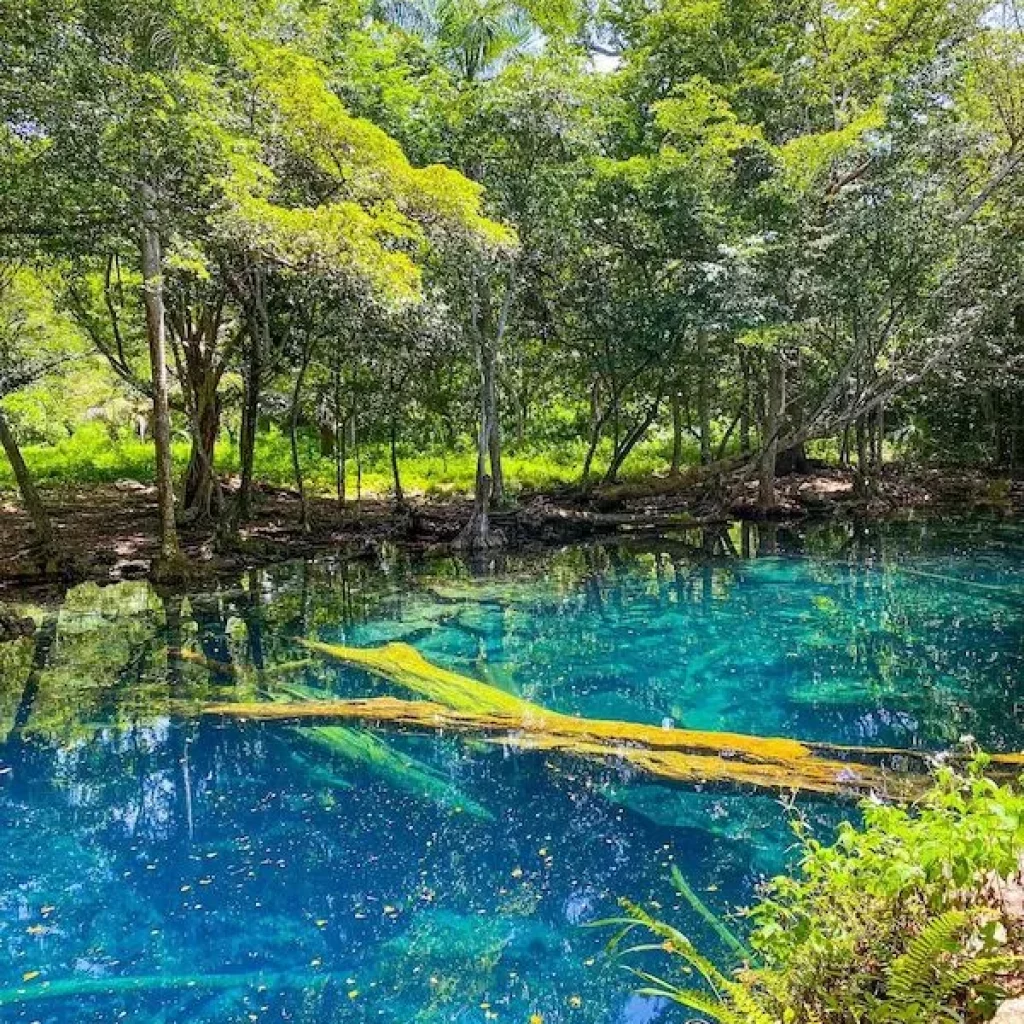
(110, 530)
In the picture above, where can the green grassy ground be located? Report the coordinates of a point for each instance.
(90, 456)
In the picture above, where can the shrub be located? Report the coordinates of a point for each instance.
(900, 920)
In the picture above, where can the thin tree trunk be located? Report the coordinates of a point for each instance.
(247, 434)
(293, 433)
(629, 442)
(493, 353)
(703, 396)
(341, 468)
(477, 533)
(775, 403)
(358, 454)
(879, 439)
(597, 422)
(41, 525)
(339, 436)
(677, 435)
(396, 476)
(745, 416)
(258, 330)
(862, 482)
(169, 558)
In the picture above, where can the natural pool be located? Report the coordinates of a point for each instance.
(161, 867)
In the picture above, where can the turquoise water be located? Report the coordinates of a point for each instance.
(162, 867)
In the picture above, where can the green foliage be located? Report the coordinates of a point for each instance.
(356, 199)
(898, 921)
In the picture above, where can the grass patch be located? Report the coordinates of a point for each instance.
(91, 456)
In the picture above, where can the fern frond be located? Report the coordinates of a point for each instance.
(914, 974)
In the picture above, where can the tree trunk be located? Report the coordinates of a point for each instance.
(597, 422)
(489, 412)
(879, 439)
(477, 532)
(492, 354)
(340, 451)
(169, 559)
(862, 483)
(258, 331)
(774, 405)
(629, 442)
(745, 416)
(358, 450)
(293, 435)
(703, 396)
(395, 475)
(41, 526)
(677, 435)
(201, 485)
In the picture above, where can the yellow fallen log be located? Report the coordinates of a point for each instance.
(467, 705)
(681, 755)
(405, 666)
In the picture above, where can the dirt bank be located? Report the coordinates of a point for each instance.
(111, 530)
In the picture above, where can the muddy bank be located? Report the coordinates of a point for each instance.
(111, 530)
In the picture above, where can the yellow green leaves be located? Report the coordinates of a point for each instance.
(332, 238)
(354, 153)
(808, 158)
(333, 193)
(699, 124)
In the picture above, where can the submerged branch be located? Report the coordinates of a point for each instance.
(91, 987)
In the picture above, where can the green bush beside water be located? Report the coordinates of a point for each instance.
(899, 921)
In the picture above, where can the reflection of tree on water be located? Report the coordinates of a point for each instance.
(111, 774)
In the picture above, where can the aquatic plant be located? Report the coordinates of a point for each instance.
(905, 919)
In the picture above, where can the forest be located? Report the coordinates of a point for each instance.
(478, 246)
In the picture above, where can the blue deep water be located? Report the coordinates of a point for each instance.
(161, 866)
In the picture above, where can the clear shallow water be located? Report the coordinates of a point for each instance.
(157, 867)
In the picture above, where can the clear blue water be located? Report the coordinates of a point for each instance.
(160, 867)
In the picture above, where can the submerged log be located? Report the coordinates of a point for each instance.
(460, 704)
(678, 755)
(78, 988)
